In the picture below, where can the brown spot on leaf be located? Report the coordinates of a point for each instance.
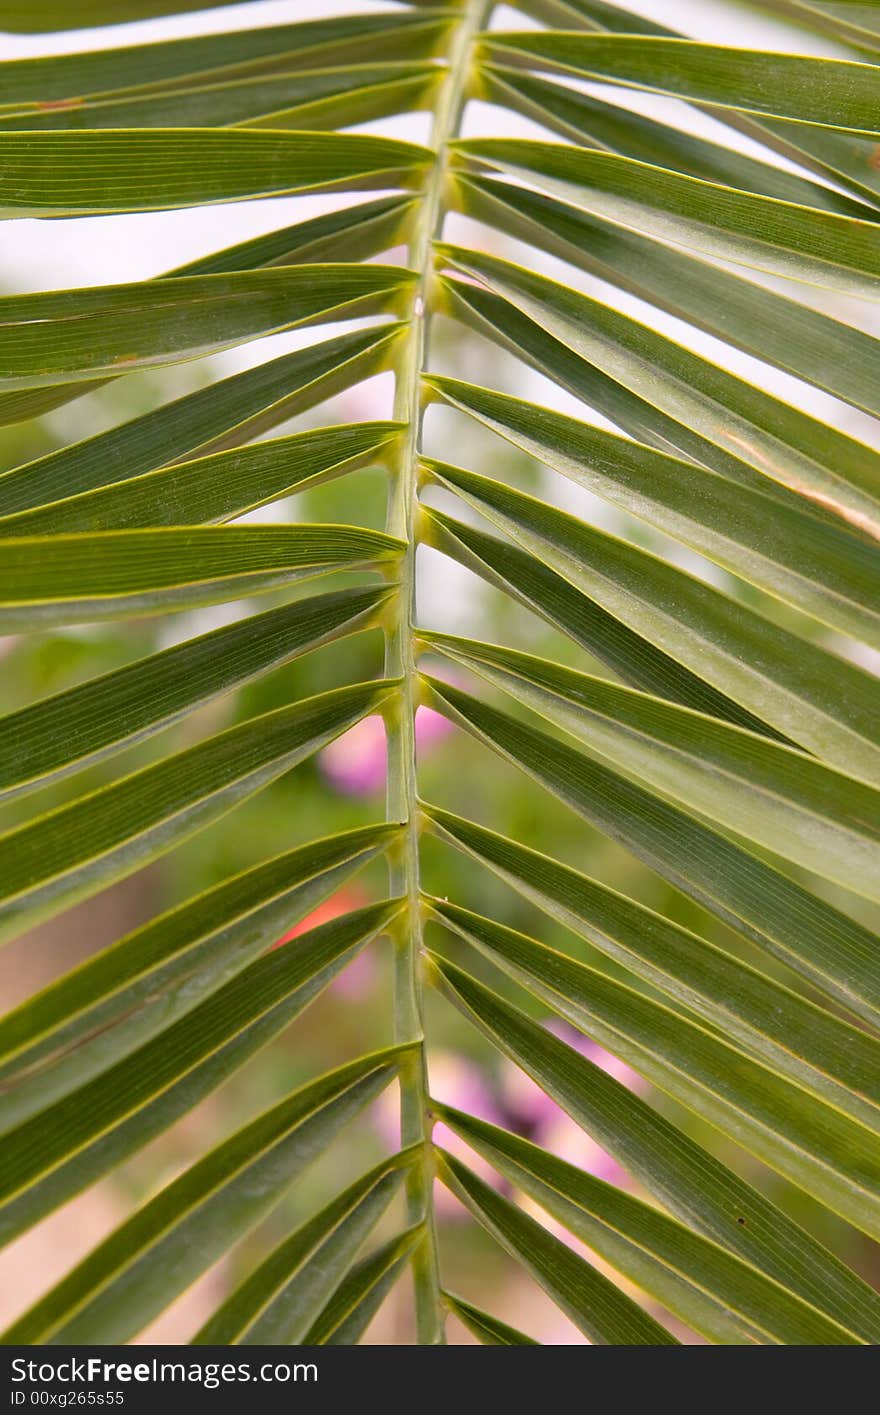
(50, 105)
(860, 519)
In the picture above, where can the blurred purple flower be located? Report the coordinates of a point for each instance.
(355, 763)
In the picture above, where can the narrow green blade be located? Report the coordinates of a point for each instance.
(123, 170)
(583, 118)
(598, 1308)
(64, 336)
(837, 93)
(39, 16)
(177, 1235)
(216, 488)
(226, 414)
(761, 791)
(354, 233)
(773, 327)
(715, 1293)
(851, 22)
(26, 403)
(61, 579)
(781, 238)
(57, 735)
(812, 697)
(825, 945)
(702, 1192)
(77, 848)
(632, 657)
(794, 1037)
(488, 1330)
(661, 393)
(174, 63)
(314, 99)
(359, 1296)
(769, 536)
(809, 1142)
(145, 1093)
(69, 1031)
(282, 1298)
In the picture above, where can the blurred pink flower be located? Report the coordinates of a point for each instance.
(563, 1137)
(349, 897)
(355, 763)
(357, 978)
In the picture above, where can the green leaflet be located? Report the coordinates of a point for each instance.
(27, 403)
(830, 92)
(67, 335)
(340, 236)
(730, 754)
(593, 1303)
(226, 414)
(63, 579)
(164, 1246)
(716, 1293)
(820, 942)
(811, 345)
(178, 63)
(808, 1141)
(37, 16)
(541, 590)
(827, 1056)
(837, 20)
(360, 1295)
(662, 394)
(583, 118)
(82, 174)
(60, 734)
(77, 848)
(219, 487)
(778, 545)
(120, 1110)
(810, 696)
(197, 946)
(846, 158)
(697, 1188)
(312, 99)
(762, 791)
(591, 15)
(488, 1330)
(355, 233)
(805, 144)
(851, 23)
(283, 1297)
(780, 237)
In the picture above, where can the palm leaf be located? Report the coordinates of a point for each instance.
(677, 517)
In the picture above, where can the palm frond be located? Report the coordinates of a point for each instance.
(679, 266)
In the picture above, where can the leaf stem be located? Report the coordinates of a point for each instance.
(402, 801)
